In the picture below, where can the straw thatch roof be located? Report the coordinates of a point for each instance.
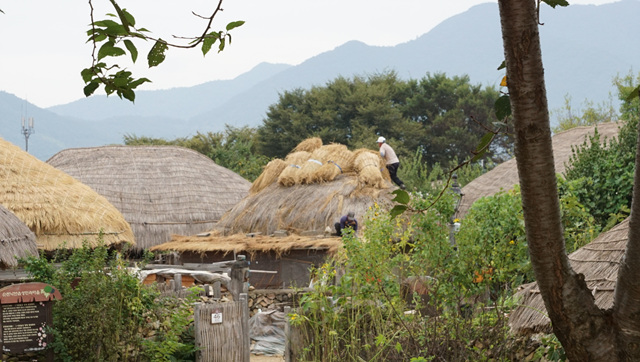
(598, 261)
(61, 211)
(242, 243)
(291, 196)
(160, 190)
(302, 208)
(16, 240)
(505, 175)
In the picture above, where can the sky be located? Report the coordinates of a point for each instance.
(43, 42)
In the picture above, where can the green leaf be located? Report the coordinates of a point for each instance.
(234, 24)
(402, 197)
(221, 46)
(397, 210)
(132, 49)
(554, 3)
(502, 65)
(634, 94)
(483, 145)
(90, 88)
(156, 55)
(108, 50)
(208, 42)
(129, 94)
(86, 74)
(121, 15)
(503, 107)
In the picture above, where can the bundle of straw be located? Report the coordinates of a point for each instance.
(317, 160)
(268, 176)
(369, 165)
(289, 174)
(309, 145)
(338, 160)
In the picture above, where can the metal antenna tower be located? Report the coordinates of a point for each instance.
(27, 130)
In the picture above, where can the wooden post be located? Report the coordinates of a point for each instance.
(287, 335)
(196, 328)
(216, 290)
(246, 343)
(178, 282)
(239, 277)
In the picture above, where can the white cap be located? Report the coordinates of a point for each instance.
(381, 139)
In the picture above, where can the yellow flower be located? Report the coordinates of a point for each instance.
(512, 242)
(456, 220)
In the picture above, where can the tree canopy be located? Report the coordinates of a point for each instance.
(444, 118)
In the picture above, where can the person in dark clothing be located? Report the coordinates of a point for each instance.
(347, 221)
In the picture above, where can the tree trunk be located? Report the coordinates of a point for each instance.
(585, 331)
(627, 296)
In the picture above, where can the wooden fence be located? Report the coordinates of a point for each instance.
(222, 331)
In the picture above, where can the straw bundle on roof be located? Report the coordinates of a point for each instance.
(315, 162)
(160, 190)
(268, 176)
(369, 166)
(241, 243)
(505, 175)
(338, 160)
(302, 207)
(60, 210)
(598, 261)
(16, 240)
(309, 145)
(289, 174)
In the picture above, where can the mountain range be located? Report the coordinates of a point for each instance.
(583, 48)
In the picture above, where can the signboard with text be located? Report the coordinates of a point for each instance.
(25, 312)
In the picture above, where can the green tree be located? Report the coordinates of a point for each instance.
(234, 148)
(440, 117)
(589, 116)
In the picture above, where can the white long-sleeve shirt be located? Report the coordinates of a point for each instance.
(388, 154)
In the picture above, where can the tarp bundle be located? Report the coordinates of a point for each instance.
(266, 330)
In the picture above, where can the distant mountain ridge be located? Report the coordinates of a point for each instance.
(584, 47)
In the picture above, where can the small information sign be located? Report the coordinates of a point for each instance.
(216, 317)
(25, 312)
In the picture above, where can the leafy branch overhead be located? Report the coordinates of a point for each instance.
(115, 36)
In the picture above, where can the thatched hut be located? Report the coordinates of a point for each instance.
(505, 175)
(282, 225)
(598, 261)
(285, 259)
(16, 240)
(60, 210)
(160, 190)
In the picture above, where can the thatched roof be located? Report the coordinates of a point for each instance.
(598, 261)
(215, 242)
(302, 208)
(60, 210)
(160, 190)
(16, 240)
(505, 175)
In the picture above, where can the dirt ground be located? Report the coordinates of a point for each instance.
(257, 358)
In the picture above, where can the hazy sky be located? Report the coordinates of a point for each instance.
(43, 41)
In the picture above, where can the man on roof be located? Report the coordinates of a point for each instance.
(391, 160)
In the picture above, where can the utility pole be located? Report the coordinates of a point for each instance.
(27, 130)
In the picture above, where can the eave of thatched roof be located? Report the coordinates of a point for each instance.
(16, 240)
(215, 242)
(505, 175)
(160, 190)
(598, 261)
(302, 208)
(61, 211)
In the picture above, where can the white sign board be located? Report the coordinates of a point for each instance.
(216, 317)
